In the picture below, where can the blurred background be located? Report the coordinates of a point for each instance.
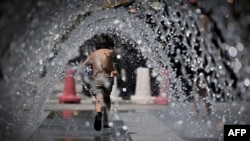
(194, 39)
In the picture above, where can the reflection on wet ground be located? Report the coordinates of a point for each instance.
(71, 125)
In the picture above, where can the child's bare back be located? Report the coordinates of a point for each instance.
(102, 62)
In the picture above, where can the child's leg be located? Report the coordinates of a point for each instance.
(98, 103)
(98, 109)
(106, 108)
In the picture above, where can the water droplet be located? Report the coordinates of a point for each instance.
(180, 122)
(52, 63)
(87, 123)
(240, 46)
(118, 134)
(116, 21)
(247, 82)
(123, 74)
(111, 124)
(237, 64)
(51, 55)
(156, 5)
(124, 89)
(139, 42)
(232, 51)
(124, 127)
(56, 36)
(41, 62)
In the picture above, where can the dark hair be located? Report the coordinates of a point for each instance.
(103, 41)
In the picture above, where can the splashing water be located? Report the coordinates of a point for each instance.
(162, 35)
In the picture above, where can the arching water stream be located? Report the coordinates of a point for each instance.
(158, 35)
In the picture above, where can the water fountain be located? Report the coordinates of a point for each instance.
(166, 34)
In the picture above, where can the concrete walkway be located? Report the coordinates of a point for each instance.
(137, 122)
(168, 122)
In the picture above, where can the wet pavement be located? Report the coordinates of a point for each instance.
(131, 122)
(73, 125)
(134, 122)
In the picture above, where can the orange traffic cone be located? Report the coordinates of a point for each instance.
(69, 94)
(162, 99)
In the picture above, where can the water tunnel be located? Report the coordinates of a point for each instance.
(203, 45)
(130, 58)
